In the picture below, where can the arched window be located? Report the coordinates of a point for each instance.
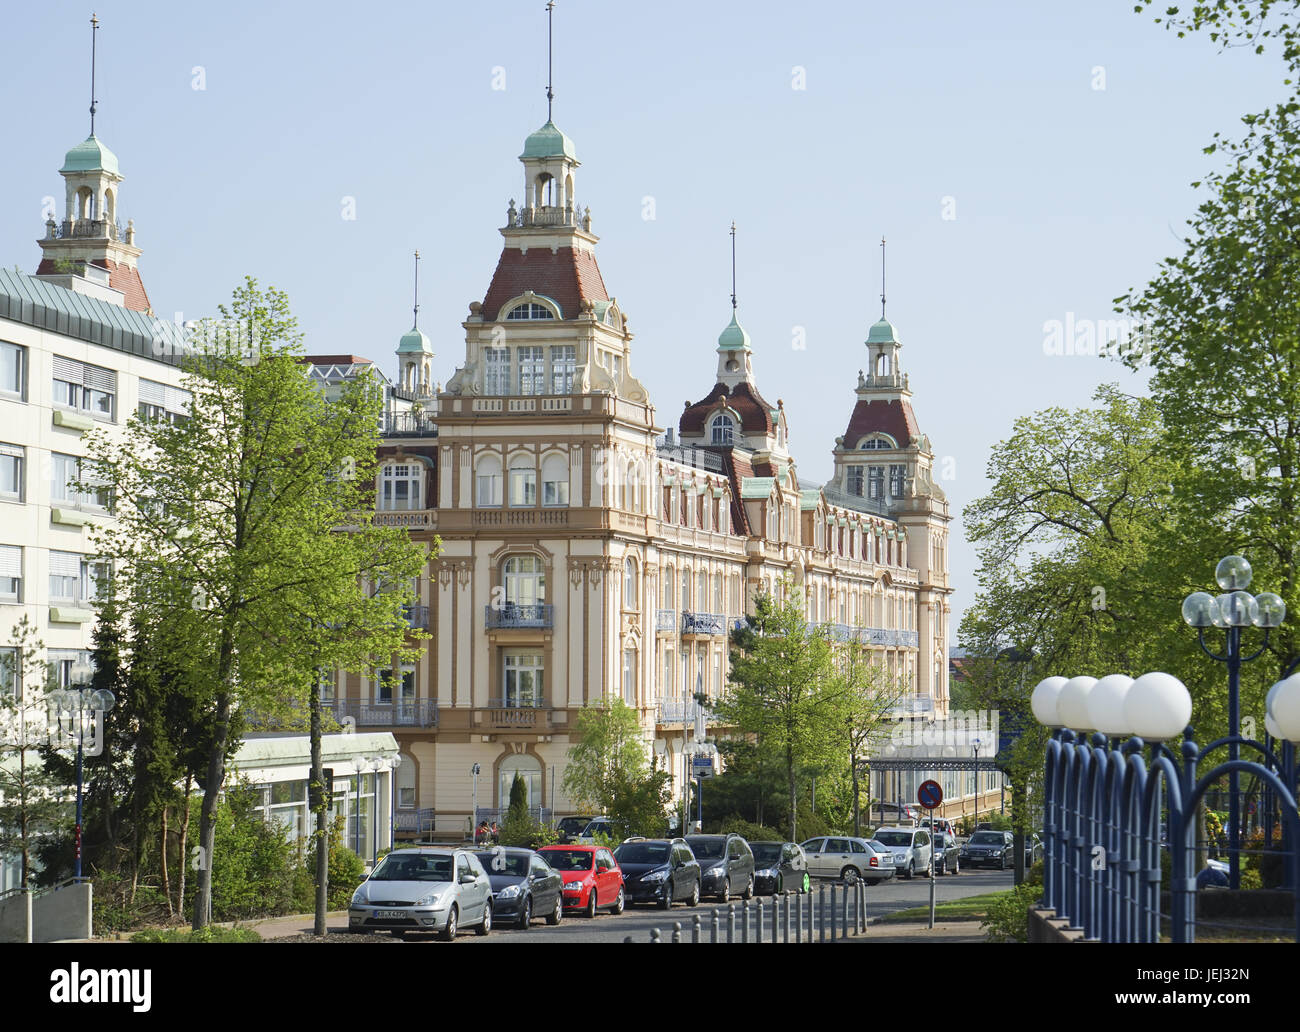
(529, 770)
(523, 482)
(487, 479)
(524, 580)
(702, 590)
(530, 310)
(723, 430)
(686, 587)
(718, 606)
(669, 587)
(629, 676)
(630, 593)
(877, 442)
(555, 480)
(401, 486)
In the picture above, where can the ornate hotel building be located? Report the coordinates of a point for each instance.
(591, 549)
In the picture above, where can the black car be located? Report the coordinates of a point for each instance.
(727, 864)
(659, 871)
(780, 866)
(570, 828)
(989, 849)
(523, 885)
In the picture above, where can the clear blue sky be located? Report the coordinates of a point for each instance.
(1065, 195)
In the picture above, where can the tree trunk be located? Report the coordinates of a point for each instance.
(182, 854)
(166, 882)
(322, 832)
(216, 774)
(794, 802)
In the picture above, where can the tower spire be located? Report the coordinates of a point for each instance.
(415, 323)
(882, 277)
(733, 266)
(94, 31)
(550, 20)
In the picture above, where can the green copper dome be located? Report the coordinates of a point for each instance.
(549, 142)
(882, 332)
(733, 338)
(415, 342)
(90, 156)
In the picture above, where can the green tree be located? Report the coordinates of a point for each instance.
(784, 689)
(244, 537)
(608, 751)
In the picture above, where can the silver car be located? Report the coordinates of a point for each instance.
(423, 890)
(848, 859)
(911, 849)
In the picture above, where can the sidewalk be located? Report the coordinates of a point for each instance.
(298, 924)
(950, 931)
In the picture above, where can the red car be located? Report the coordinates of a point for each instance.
(592, 877)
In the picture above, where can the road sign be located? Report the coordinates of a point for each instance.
(702, 766)
(929, 794)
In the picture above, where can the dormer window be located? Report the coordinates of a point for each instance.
(530, 310)
(877, 442)
(723, 430)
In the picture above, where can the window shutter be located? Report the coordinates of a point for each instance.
(153, 393)
(95, 377)
(67, 369)
(65, 564)
(11, 561)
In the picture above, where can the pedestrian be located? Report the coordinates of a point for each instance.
(496, 832)
(481, 833)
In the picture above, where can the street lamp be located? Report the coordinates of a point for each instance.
(1230, 611)
(79, 700)
(975, 744)
(473, 824)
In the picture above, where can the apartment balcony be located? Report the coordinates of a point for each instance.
(703, 623)
(516, 714)
(913, 704)
(888, 637)
(666, 620)
(509, 615)
(683, 711)
(401, 713)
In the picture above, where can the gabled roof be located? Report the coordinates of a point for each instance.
(567, 275)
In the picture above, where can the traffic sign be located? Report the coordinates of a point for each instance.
(930, 794)
(701, 766)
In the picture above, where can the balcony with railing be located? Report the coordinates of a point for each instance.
(913, 704)
(666, 620)
(703, 623)
(400, 713)
(517, 615)
(94, 229)
(888, 637)
(409, 424)
(672, 710)
(517, 713)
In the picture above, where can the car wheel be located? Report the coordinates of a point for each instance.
(749, 889)
(695, 894)
(526, 915)
(956, 866)
(943, 866)
(485, 925)
(449, 933)
(724, 896)
(666, 900)
(621, 902)
(555, 918)
(806, 884)
(849, 875)
(591, 904)
(910, 872)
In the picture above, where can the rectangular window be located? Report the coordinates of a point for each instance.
(897, 474)
(563, 363)
(522, 684)
(629, 676)
(13, 370)
(496, 371)
(523, 486)
(65, 661)
(875, 481)
(77, 579)
(391, 682)
(11, 573)
(9, 673)
(400, 487)
(68, 469)
(12, 468)
(160, 401)
(855, 480)
(86, 388)
(489, 488)
(532, 371)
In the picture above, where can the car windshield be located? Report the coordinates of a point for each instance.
(894, 838)
(396, 867)
(877, 845)
(596, 827)
(986, 838)
(642, 853)
(707, 848)
(499, 863)
(573, 824)
(766, 852)
(569, 859)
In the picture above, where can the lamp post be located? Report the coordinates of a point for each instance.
(1230, 612)
(78, 700)
(473, 822)
(975, 744)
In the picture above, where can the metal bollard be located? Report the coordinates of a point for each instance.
(713, 925)
(677, 931)
(785, 906)
(654, 935)
(760, 921)
(731, 922)
(627, 938)
(819, 921)
(798, 914)
(695, 928)
(833, 887)
(844, 911)
(744, 921)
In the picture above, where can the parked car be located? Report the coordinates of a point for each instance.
(934, 825)
(591, 875)
(661, 871)
(523, 884)
(726, 865)
(780, 866)
(423, 890)
(569, 828)
(602, 826)
(989, 849)
(848, 859)
(947, 854)
(910, 847)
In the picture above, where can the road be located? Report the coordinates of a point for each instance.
(638, 921)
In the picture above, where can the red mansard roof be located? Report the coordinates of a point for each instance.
(120, 277)
(890, 417)
(755, 413)
(567, 276)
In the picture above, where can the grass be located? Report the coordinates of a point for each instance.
(212, 933)
(971, 908)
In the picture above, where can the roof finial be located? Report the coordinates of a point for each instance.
(416, 322)
(733, 266)
(94, 30)
(882, 277)
(550, 19)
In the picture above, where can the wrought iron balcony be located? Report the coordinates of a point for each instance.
(665, 619)
(400, 713)
(409, 424)
(514, 614)
(703, 623)
(682, 711)
(888, 637)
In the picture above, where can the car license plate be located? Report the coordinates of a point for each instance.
(389, 915)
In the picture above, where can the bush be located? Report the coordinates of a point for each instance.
(252, 863)
(210, 933)
(734, 825)
(1008, 916)
(346, 871)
